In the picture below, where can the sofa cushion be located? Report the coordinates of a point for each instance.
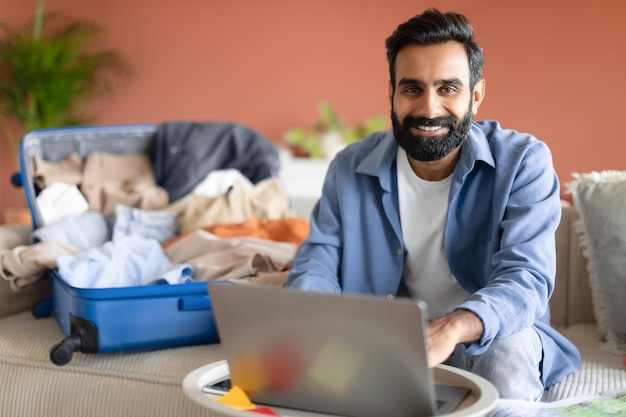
(599, 371)
(600, 199)
(117, 384)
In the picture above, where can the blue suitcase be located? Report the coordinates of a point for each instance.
(146, 317)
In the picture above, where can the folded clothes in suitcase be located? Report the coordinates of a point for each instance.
(105, 320)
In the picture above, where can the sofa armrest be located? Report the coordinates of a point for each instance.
(12, 235)
(580, 306)
(571, 301)
(559, 301)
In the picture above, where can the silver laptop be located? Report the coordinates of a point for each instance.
(360, 356)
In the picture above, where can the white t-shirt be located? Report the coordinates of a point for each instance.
(423, 211)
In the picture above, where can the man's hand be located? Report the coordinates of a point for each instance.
(444, 333)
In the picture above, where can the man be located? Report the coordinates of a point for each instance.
(458, 213)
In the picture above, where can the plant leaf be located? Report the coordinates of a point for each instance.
(49, 71)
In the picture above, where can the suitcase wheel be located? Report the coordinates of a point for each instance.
(42, 308)
(83, 337)
(61, 354)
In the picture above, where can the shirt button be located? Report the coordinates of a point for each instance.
(399, 252)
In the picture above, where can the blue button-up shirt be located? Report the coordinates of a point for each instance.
(503, 211)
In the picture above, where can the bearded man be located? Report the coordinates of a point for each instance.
(459, 213)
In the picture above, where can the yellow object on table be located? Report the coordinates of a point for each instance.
(236, 398)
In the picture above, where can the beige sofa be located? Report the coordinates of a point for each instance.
(149, 383)
(573, 314)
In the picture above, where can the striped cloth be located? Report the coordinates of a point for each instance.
(601, 370)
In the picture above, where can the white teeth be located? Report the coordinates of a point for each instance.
(430, 128)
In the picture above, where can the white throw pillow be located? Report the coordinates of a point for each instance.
(600, 199)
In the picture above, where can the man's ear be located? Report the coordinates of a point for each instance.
(478, 95)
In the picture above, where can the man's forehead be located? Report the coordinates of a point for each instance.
(433, 63)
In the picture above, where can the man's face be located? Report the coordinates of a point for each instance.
(432, 106)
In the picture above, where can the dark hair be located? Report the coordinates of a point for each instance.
(433, 27)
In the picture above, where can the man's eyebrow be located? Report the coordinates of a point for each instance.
(410, 81)
(444, 81)
(453, 81)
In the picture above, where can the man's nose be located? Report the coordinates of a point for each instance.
(430, 105)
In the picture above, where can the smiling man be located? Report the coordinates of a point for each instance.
(459, 213)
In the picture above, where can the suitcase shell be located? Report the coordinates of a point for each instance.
(113, 319)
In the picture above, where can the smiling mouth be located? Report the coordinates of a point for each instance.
(429, 128)
(437, 130)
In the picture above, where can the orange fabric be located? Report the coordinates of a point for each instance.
(292, 229)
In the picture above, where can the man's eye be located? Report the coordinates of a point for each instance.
(411, 90)
(448, 89)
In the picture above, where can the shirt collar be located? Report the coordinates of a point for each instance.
(380, 160)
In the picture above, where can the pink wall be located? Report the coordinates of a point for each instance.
(553, 68)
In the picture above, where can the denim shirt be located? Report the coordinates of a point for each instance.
(503, 211)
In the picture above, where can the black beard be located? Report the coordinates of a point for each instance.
(430, 148)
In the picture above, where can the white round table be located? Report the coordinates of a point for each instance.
(482, 398)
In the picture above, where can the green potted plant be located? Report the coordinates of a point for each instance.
(49, 72)
(330, 133)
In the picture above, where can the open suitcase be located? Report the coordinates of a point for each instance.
(110, 320)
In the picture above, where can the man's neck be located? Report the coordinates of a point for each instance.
(436, 170)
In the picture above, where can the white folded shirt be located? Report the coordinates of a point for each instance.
(59, 200)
